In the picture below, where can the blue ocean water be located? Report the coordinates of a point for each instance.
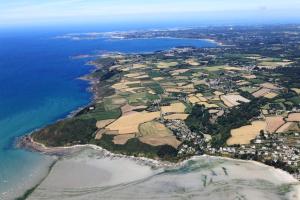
(39, 85)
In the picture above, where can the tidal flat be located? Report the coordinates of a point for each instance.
(90, 174)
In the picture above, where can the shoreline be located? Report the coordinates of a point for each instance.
(65, 151)
(28, 143)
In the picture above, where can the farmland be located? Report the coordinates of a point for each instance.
(185, 101)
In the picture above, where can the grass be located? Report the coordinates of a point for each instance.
(155, 87)
(134, 85)
(248, 89)
(256, 81)
(295, 100)
(154, 74)
(215, 68)
(101, 112)
(140, 98)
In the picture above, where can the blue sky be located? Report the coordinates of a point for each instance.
(25, 12)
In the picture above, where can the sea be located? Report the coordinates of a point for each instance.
(39, 84)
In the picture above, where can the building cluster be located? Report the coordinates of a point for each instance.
(278, 150)
(193, 143)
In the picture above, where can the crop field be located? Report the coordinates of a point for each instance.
(101, 113)
(261, 92)
(166, 65)
(127, 109)
(222, 67)
(113, 102)
(232, 100)
(176, 116)
(273, 65)
(274, 123)
(155, 133)
(297, 90)
(270, 95)
(245, 134)
(249, 89)
(193, 99)
(178, 71)
(102, 123)
(192, 62)
(122, 139)
(141, 98)
(286, 127)
(294, 117)
(129, 123)
(174, 108)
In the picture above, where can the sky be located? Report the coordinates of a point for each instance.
(43, 12)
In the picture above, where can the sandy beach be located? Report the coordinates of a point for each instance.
(92, 174)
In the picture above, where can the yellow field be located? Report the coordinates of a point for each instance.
(128, 108)
(270, 95)
(286, 127)
(274, 123)
(250, 76)
(297, 90)
(273, 65)
(192, 62)
(224, 67)
(155, 133)
(122, 139)
(193, 99)
(241, 83)
(232, 100)
(172, 90)
(103, 123)
(199, 95)
(129, 123)
(218, 93)
(203, 99)
(294, 117)
(122, 86)
(142, 76)
(99, 134)
(176, 116)
(233, 68)
(139, 66)
(174, 108)
(158, 78)
(269, 86)
(178, 71)
(245, 134)
(261, 92)
(165, 65)
(133, 75)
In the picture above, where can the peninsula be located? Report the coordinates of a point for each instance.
(239, 99)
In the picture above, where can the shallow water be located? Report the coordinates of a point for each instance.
(39, 85)
(90, 176)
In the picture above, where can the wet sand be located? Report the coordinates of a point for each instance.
(92, 175)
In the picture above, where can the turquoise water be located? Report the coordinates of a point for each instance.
(39, 85)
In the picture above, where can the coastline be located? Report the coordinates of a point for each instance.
(65, 151)
(285, 178)
(28, 143)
